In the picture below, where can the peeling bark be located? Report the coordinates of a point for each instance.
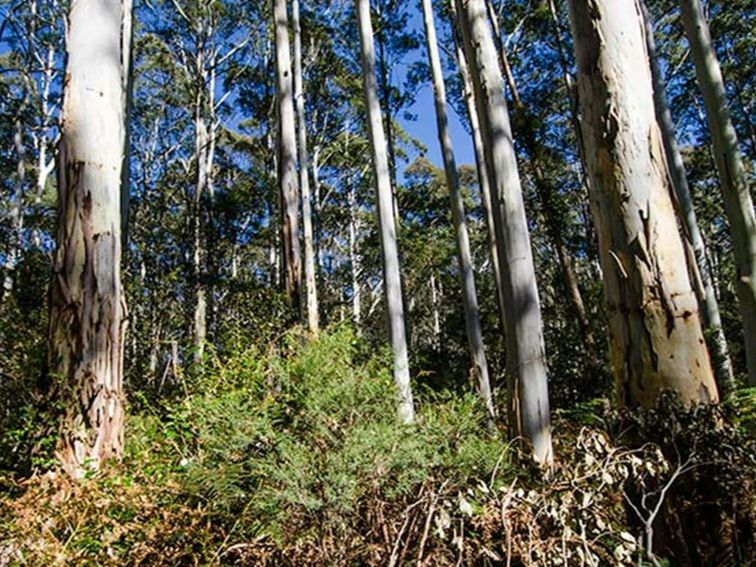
(656, 338)
(694, 242)
(87, 305)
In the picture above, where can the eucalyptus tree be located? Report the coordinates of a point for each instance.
(540, 160)
(286, 153)
(201, 47)
(734, 180)
(522, 319)
(87, 306)
(395, 40)
(391, 275)
(656, 336)
(338, 165)
(310, 285)
(480, 159)
(698, 263)
(467, 273)
(32, 54)
(127, 79)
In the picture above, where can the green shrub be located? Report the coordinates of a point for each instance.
(294, 455)
(313, 430)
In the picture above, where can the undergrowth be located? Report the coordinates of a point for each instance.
(294, 456)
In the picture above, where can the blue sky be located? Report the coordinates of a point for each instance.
(424, 128)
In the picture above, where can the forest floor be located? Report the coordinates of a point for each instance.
(293, 456)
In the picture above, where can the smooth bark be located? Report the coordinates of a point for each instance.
(311, 290)
(549, 204)
(15, 240)
(199, 254)
(656, 339)
(87, 305)
(503, 59)
(127, 74)
(355, 261)
(205, 124)
(526, 363)
(466, 270)
(286, 148)
(386, 221)
(386, 85)
(480, 160)
(733, 178)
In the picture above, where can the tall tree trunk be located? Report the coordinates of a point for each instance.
(466, 270)
(45, 166)
(480, 160)
(502, 52)
(204, 155)
(274, 206)
(569, 87)
(435, 311)
(385, 97)
(198, 242)
(287, 159)
(317, 236)
(355, 261)
(574, 110)
(552, 215)
(382, 180)
(700, 271)
(732, 174)
(13, 253)
(127, 37)
(656, 338)
(524, 327)
(87, 305)
(311, 290)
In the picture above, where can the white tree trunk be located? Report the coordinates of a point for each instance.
(204, 154)
(466, 270)
(127, 74)
(701, 273)
(480, 162)
(45, 166)
(503, 60)
(311, 290)
(87, 306)
(287, 158)
(355, 260)
(524, 328)
(656, 341)
(550, 210)
(13, 253)
(435, 311)
(198, 241)
(732, 175)
(382, 180)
